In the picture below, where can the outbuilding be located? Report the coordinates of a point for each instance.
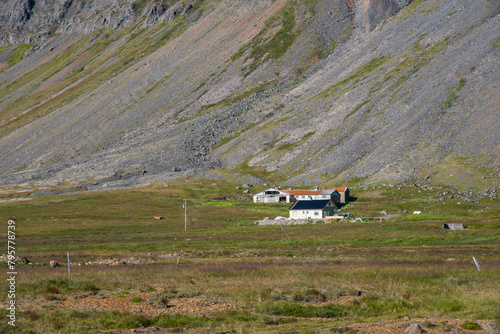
(344, 194)
(273, 195)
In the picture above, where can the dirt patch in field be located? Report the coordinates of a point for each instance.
(430, 326)
(195, 306)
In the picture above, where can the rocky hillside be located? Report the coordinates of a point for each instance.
(100, 93)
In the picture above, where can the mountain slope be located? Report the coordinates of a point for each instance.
(299, 92)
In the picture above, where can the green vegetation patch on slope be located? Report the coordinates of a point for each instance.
(358, 75)
(18, 54)
(272, 42)
(415, 57)
(234, 98)
(291, 146)
(453, 93)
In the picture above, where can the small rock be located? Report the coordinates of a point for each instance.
(414, 329)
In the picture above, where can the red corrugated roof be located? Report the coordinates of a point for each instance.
(342, 189)
(303, 192)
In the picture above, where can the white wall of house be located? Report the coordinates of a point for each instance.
(272, 196)
(271, 199)
(313, 214)
(334, 197)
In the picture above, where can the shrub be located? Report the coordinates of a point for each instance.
(164, 301)
(136, 300)
(146, 288)
(296, 310)
(471, 326)
(180, 320)
(31, 315)
(91, 288)
(311, 295)
(115, 319)
(51, 288)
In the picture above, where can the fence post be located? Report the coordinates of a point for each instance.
(477, 263)
(69, 267)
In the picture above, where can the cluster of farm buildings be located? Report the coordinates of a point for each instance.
(307, 204)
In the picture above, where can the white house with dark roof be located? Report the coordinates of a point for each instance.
(312, 209)
(318, 194)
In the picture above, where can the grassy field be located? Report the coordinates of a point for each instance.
(225, 274)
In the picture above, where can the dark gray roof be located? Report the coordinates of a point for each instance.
(310, 205)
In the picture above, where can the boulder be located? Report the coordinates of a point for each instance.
(454, 226)
(414, 329)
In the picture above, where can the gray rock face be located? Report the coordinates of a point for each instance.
(154, 15)
(161, 13)
(29, 21)
(348, 91)
(16, 12)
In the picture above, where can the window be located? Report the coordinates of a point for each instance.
(316, 213)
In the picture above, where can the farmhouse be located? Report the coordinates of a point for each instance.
(277, 195)
(312, 209)
(311, 195)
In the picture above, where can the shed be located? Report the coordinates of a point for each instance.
(344, 194)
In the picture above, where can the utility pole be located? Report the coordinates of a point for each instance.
(284, 230)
